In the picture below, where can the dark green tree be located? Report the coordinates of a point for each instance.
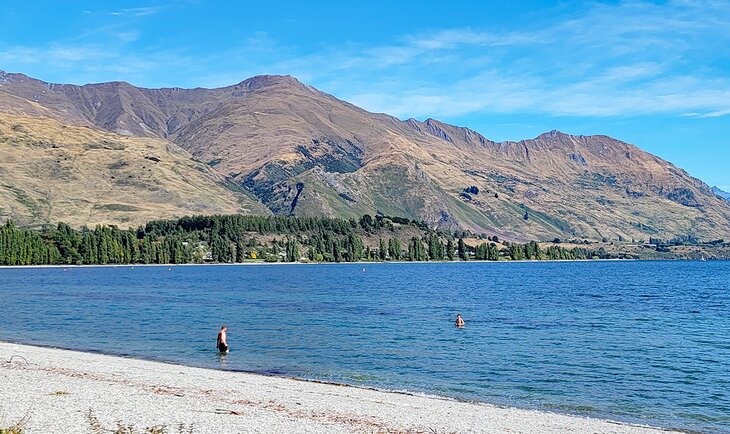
(462, 249)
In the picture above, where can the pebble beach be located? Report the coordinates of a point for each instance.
(60, 391)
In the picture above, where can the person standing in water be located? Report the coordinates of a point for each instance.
(459, 320)
(222, 342)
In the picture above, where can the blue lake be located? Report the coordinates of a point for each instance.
(644, 342)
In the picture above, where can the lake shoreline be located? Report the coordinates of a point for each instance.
(221, 264)
(56, 388)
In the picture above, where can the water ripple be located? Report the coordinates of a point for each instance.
(644, 342)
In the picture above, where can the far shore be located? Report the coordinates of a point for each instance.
(526, 261)
(61, 391)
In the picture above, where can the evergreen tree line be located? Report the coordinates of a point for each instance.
(229, 239)
(684, 240)
(21, 247)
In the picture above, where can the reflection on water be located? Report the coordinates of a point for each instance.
(638, 341)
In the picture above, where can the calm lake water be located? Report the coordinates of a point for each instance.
(642, 342)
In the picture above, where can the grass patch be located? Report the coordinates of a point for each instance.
(59, 393)
(117, 207)
(118, 165)
(106, 145)
(17, 428)
(33, 206)
(546, 220)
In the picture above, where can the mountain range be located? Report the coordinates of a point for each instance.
(116, 153)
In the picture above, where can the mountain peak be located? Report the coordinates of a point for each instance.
(107, 85)
(553, 134)
(262, 81)
(10, 77)
(719, 192)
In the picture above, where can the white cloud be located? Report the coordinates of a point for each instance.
(627, 59)
(137, 12)
(623, 59)
(453, 38)
(715, 114)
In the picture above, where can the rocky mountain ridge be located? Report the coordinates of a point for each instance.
(721, 193)
(301, 151)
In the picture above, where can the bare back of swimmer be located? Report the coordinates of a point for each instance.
(221, 341)
(459, 320)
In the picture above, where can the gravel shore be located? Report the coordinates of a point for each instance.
(57, 390)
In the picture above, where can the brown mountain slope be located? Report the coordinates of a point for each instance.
(302, 151)
(51, 172)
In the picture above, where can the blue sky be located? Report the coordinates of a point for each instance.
(656, 74)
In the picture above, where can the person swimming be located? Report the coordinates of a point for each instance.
(221, 341)
(459, 320)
